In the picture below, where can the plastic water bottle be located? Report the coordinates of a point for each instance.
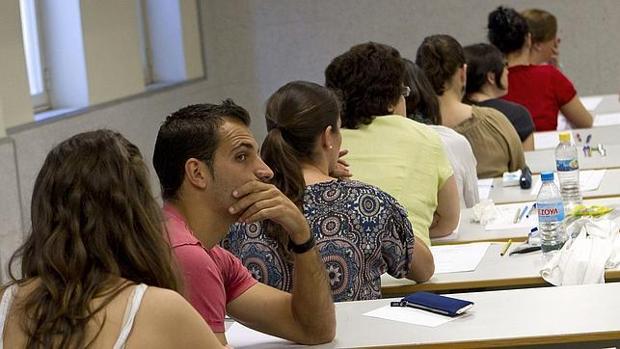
(567, 165)
(550, 210)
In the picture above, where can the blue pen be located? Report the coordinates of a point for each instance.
(522, 213)
(530, 211)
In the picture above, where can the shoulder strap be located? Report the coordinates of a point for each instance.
(5, 305)
(133, 304)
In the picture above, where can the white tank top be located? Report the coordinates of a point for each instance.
(130, 313)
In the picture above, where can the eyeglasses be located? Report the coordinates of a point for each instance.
(405, 91)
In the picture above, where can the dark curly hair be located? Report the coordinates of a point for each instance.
(507, 29)
(440, 56)
(369, 79)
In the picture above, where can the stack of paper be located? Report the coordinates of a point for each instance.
(506, 215)
(458, 258)
(410, 316)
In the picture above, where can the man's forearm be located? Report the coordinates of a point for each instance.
(313, 306)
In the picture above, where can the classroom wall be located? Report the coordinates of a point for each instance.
(251, 47)
(10, 220)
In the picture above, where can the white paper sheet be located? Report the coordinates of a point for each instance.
(409, 315)
(591, 102)
(484, 188)
(458, 258)
(546, 140)
(239, 337)
(506, 216)
(589, 180)
(607, 119)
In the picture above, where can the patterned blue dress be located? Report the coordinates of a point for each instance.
(361, 232)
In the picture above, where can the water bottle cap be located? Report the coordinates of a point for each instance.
(546, 176)
(565, 137)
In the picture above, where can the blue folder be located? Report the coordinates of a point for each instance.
(435, 303)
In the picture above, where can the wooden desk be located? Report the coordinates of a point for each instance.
(502, 195)
(474, 232)
(493, 272)
(551, 317)
(544, 160)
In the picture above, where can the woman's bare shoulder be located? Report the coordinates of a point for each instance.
(166, 319)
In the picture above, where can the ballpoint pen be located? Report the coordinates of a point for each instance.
(530, 211)
(523, 212)
(524, 249)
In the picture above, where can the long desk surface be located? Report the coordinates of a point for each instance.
(469, 231)
(494, 271)
(544, 160)
(585, 316)
(607, 135)
(502, 195)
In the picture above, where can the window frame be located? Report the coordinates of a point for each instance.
(31, 33)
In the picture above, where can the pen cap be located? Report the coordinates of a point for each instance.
(546, 176)
(565, 137)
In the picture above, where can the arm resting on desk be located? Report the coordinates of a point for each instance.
(423, 265)
(446, 217)
(576, 113)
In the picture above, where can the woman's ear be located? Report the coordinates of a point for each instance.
(327, 138)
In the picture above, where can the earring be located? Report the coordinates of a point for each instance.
(331, 147)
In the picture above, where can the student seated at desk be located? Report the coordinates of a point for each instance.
(493, 139)
(361, 231)
(211, 176)
(487, 82)
(422, 106)
(403, 157)
(96, 269)
(545, 47)
(542, 88)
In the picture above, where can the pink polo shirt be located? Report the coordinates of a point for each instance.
(213, 277)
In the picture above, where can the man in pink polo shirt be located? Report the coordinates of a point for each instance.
(212, 176)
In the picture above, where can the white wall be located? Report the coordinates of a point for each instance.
(10, 219)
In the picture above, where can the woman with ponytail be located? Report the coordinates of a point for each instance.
(360, 230)
(96, 271)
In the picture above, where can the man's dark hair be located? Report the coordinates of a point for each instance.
(369, 79)
(190, 132)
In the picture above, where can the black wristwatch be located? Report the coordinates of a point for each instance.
(302, 248)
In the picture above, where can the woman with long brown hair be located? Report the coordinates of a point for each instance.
(96, 270)
(360, 231)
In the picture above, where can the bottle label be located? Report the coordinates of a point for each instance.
(550, 212)
(567, 164)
